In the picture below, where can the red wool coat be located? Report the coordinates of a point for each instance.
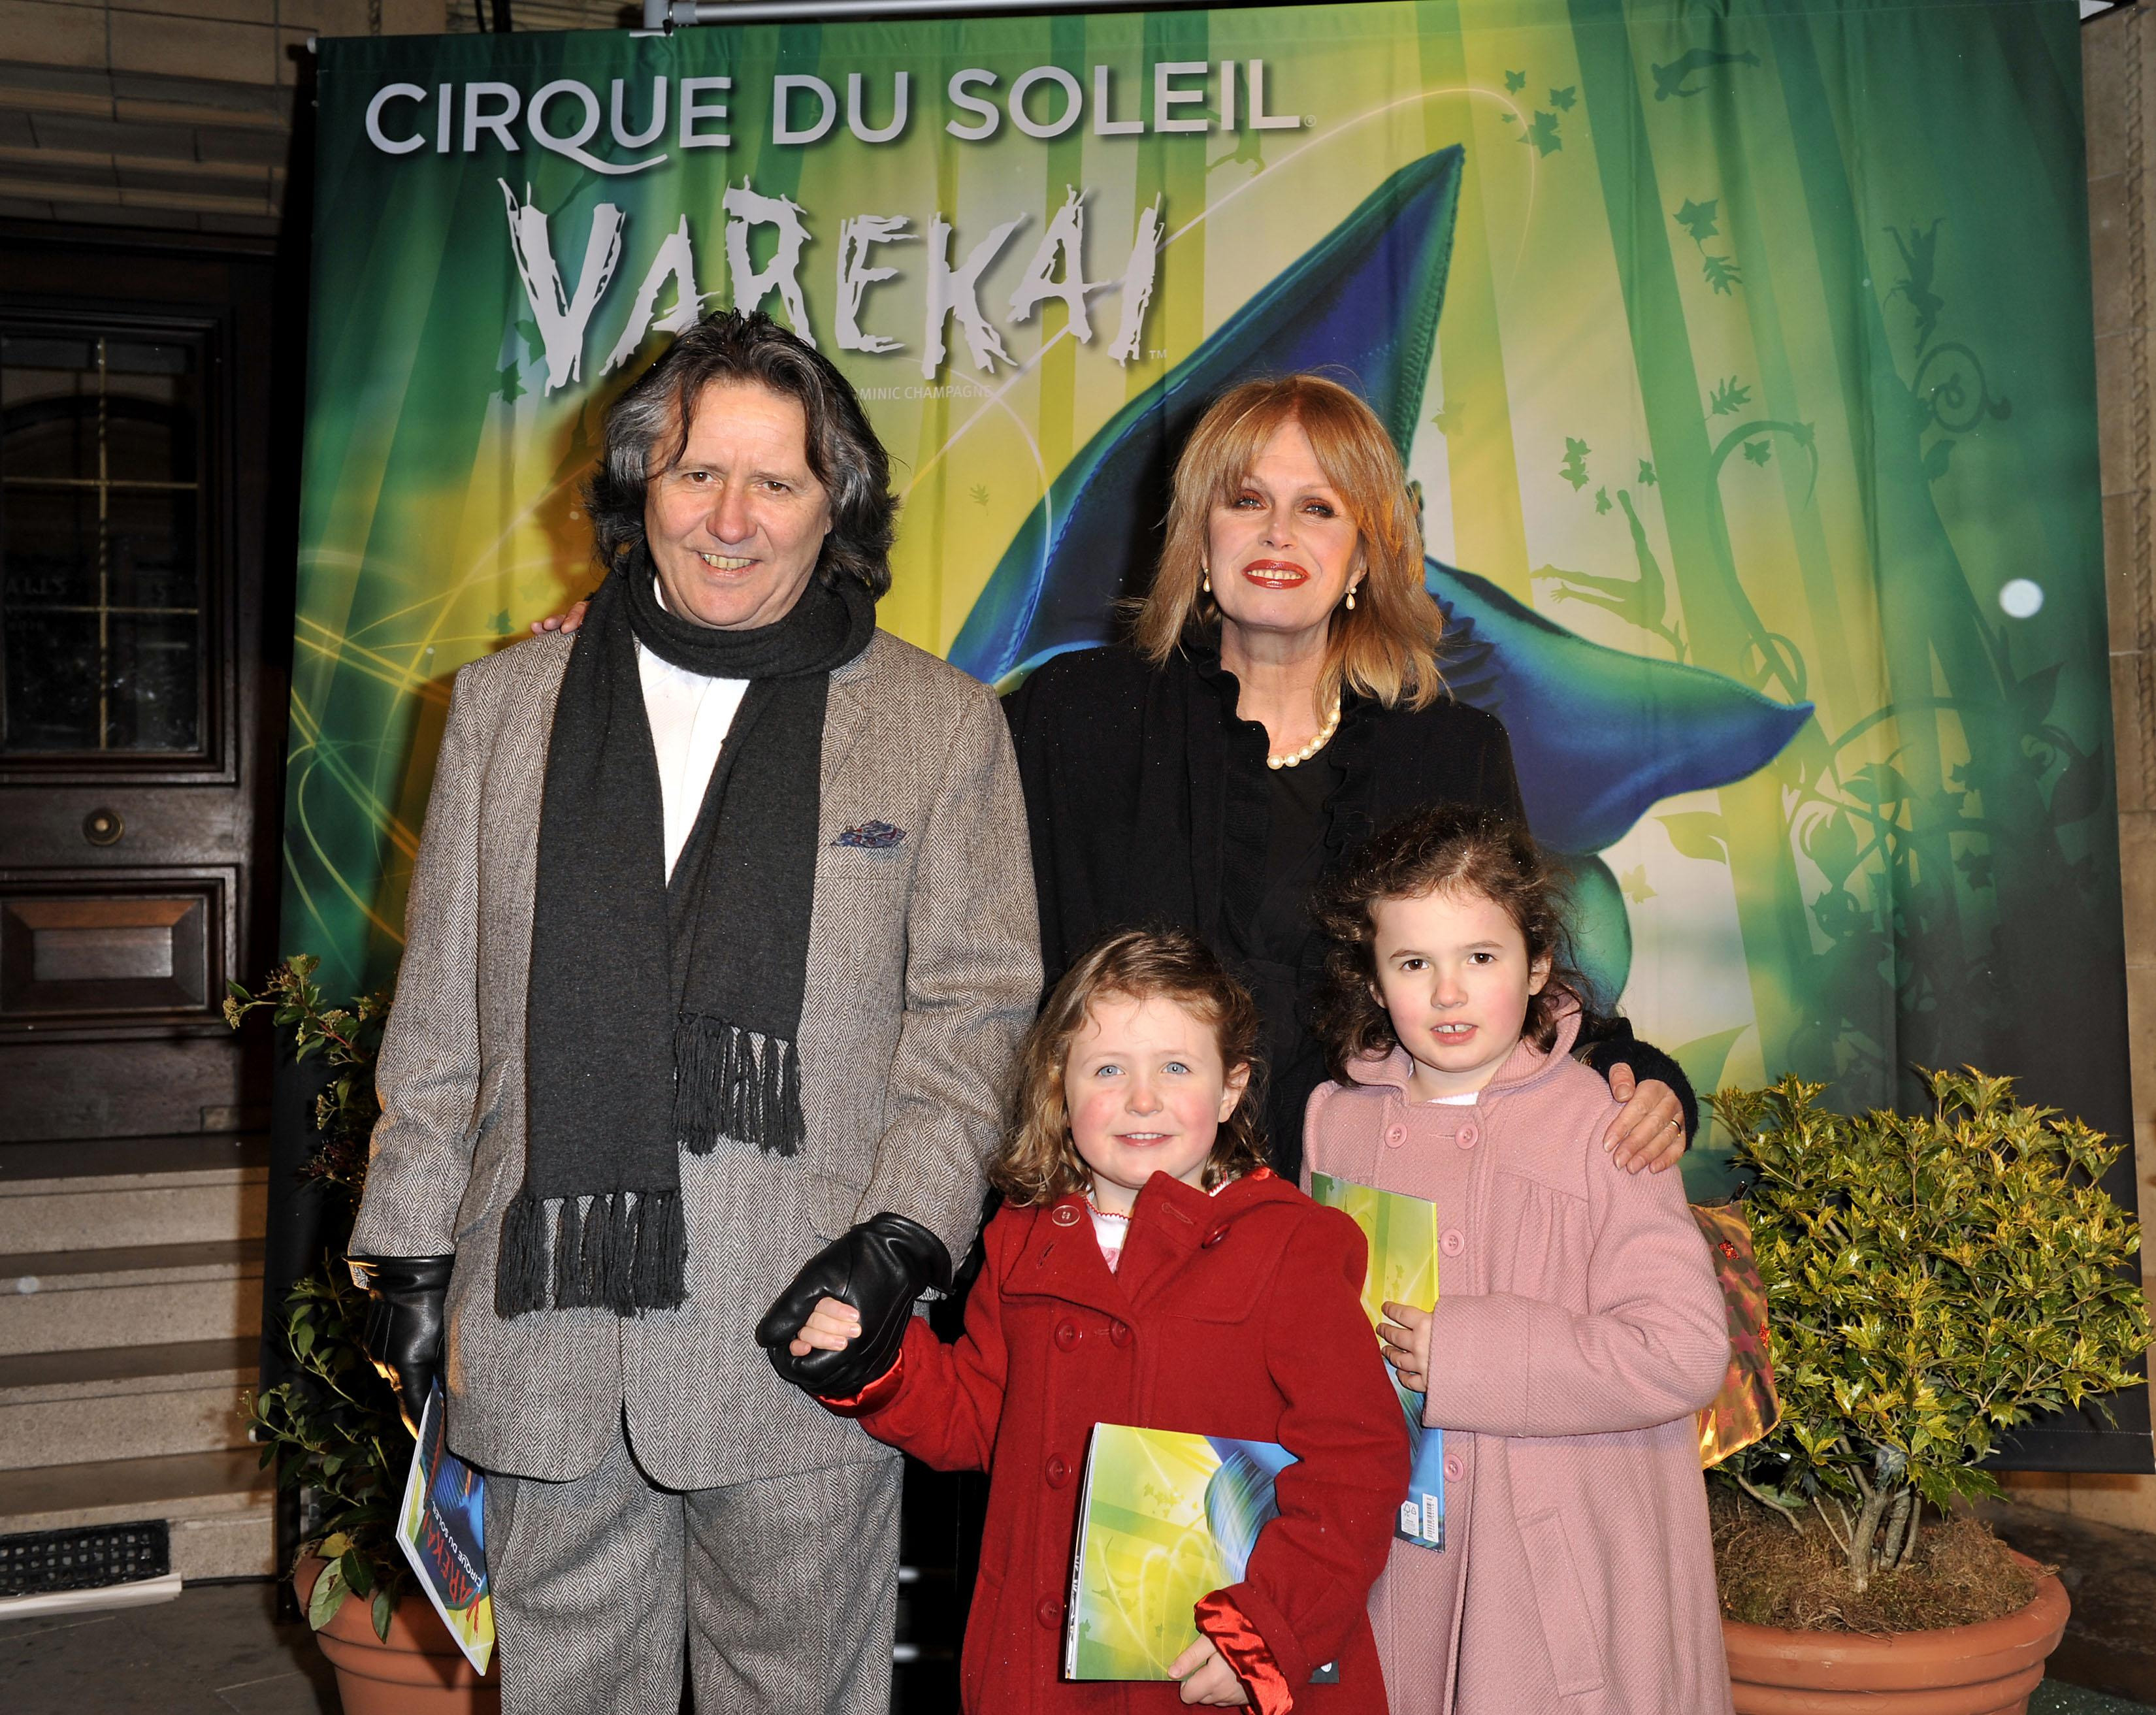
(1233, 1315)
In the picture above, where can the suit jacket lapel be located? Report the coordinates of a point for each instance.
(847, 707)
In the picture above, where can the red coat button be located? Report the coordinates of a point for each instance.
(1064, 1216)
(1212, 1238)
(1451, 1242)
(1067, 1335)
(1396, 1135)
(1120, 1334)
(1050, 1612)
(1059, 1473)
(1454, 1470)
(1469, 1135)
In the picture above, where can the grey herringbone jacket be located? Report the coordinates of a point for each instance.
(923, 971)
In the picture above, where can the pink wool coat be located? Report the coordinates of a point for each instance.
(1577, 1328)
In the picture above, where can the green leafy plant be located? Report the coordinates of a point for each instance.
(335, 1430)
(1932, 1281)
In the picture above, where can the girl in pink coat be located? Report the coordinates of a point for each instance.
(1579, 1324)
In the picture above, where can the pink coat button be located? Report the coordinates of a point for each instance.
(1454, 1470)
(1451, 1241)
(1396, 1135)
(1469, 1135)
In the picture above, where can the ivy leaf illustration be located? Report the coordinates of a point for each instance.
(1516, 82)
(1878, 784)
(978, 494)
(513, 385)
(1647, 478)
(1759, 451)
(1573, 470)
(1633, 882)
(1697, 219)
(1700, 834)
(1728, 398)
(1602, 501)
(1721, 272)
(1935, 459)
(499, 622)
(1507, 118)
(1543, 133)
(1562, 99)
(535, 344)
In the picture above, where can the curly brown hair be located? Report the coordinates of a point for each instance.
(1037, 1162)
(1456, 848)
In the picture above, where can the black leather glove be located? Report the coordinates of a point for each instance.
(404, 1328)
(880, 1267)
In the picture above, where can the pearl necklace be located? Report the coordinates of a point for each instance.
(1296, 758)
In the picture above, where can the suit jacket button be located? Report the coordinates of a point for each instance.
(1067, 1335)
(1396, 1135)
(1059, 1473)
(1452, 1241)
(1120, 1334)
(1470, 1136)
(1454, 1470)
(1050, 1612)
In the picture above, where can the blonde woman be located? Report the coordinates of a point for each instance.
(1280, 701)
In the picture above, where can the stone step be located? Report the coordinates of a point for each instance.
(95, 1194)
(125, 1402)
(220, 1505)
(70, 1300)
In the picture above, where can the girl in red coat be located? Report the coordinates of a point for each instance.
(1147, 1269)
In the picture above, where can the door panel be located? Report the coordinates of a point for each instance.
(139, 726)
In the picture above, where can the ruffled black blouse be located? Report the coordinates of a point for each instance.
(1148, 801)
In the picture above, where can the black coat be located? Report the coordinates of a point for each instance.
(1146, 801)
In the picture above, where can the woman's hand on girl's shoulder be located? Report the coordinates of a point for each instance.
(567, 622)
(1648, 1131)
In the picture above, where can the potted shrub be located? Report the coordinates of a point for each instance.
(335, 1430)
(1932, 1281)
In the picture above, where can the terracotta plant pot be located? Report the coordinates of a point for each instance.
(419, 1670)
(1988, 1669)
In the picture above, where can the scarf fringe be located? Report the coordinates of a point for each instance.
(628, 1253)
(729, 1082)
(520, 1271)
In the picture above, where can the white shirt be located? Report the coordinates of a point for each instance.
(690, 716)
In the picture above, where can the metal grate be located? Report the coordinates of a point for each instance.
(38, 1561)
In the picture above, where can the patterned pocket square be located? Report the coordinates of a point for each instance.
(872, 836)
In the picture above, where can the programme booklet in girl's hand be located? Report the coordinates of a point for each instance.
(1164, 1517)
(442, 1528)
(1402, 1231)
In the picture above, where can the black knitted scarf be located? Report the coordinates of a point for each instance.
(664, 1015)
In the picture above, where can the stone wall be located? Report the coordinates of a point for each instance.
(2118, 63)
(177, 113)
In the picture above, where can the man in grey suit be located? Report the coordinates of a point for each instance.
(719, 948)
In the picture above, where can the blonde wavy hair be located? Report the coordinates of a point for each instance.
(1038, 1161)
(1386, 649)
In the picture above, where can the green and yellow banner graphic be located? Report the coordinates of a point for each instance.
(1739, 349)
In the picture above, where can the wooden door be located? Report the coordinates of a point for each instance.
(137, 700)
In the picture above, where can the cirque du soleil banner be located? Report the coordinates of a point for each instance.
(1740, 354)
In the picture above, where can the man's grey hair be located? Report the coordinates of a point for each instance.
(647, 430)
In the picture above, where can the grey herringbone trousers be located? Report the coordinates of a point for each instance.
(788, 1587)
